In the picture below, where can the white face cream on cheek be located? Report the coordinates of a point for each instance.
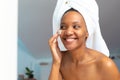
(59, 32)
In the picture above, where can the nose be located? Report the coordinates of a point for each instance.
(69, 31)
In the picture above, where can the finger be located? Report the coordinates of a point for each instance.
(53, 39)
(59, 32)
(58, 49)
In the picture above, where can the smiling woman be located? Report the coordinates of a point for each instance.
(80, 62)
(89, 11)
(34, 29)
(78, 59)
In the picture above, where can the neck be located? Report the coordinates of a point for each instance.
(78, 54)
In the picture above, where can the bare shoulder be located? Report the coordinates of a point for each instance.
(107, 62)
(110, 69)
(107, 67)
(104, 61)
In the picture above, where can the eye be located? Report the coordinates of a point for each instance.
(62, 27)
(76, 26)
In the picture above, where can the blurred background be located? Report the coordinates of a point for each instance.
(35, 28)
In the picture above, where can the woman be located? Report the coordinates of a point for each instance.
(78, 62)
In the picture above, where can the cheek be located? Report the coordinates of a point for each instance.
(81, 34)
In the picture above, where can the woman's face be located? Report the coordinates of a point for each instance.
(74, 32)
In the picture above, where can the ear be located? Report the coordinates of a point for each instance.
(86, 35)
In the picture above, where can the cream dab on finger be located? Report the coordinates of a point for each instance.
(59, 32)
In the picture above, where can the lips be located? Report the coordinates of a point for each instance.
(70, 39)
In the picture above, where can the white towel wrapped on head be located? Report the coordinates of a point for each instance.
(90, 13)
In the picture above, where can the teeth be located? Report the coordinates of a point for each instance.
(69, 39)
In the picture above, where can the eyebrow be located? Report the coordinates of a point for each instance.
(72, 23)
(76, 22)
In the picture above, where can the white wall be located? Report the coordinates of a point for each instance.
(45, 69)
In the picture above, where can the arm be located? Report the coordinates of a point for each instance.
(57, 57)
(110, 70)
(55, 73)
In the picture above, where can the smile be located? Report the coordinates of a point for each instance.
(70, 39)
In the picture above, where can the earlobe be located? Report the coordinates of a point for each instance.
(86, 36)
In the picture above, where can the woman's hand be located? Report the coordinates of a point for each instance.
(56, 53)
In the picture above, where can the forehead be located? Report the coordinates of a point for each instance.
(71, 16)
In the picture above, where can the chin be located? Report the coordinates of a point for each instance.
(70, 47)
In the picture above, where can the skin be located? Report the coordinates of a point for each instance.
(78, 62)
